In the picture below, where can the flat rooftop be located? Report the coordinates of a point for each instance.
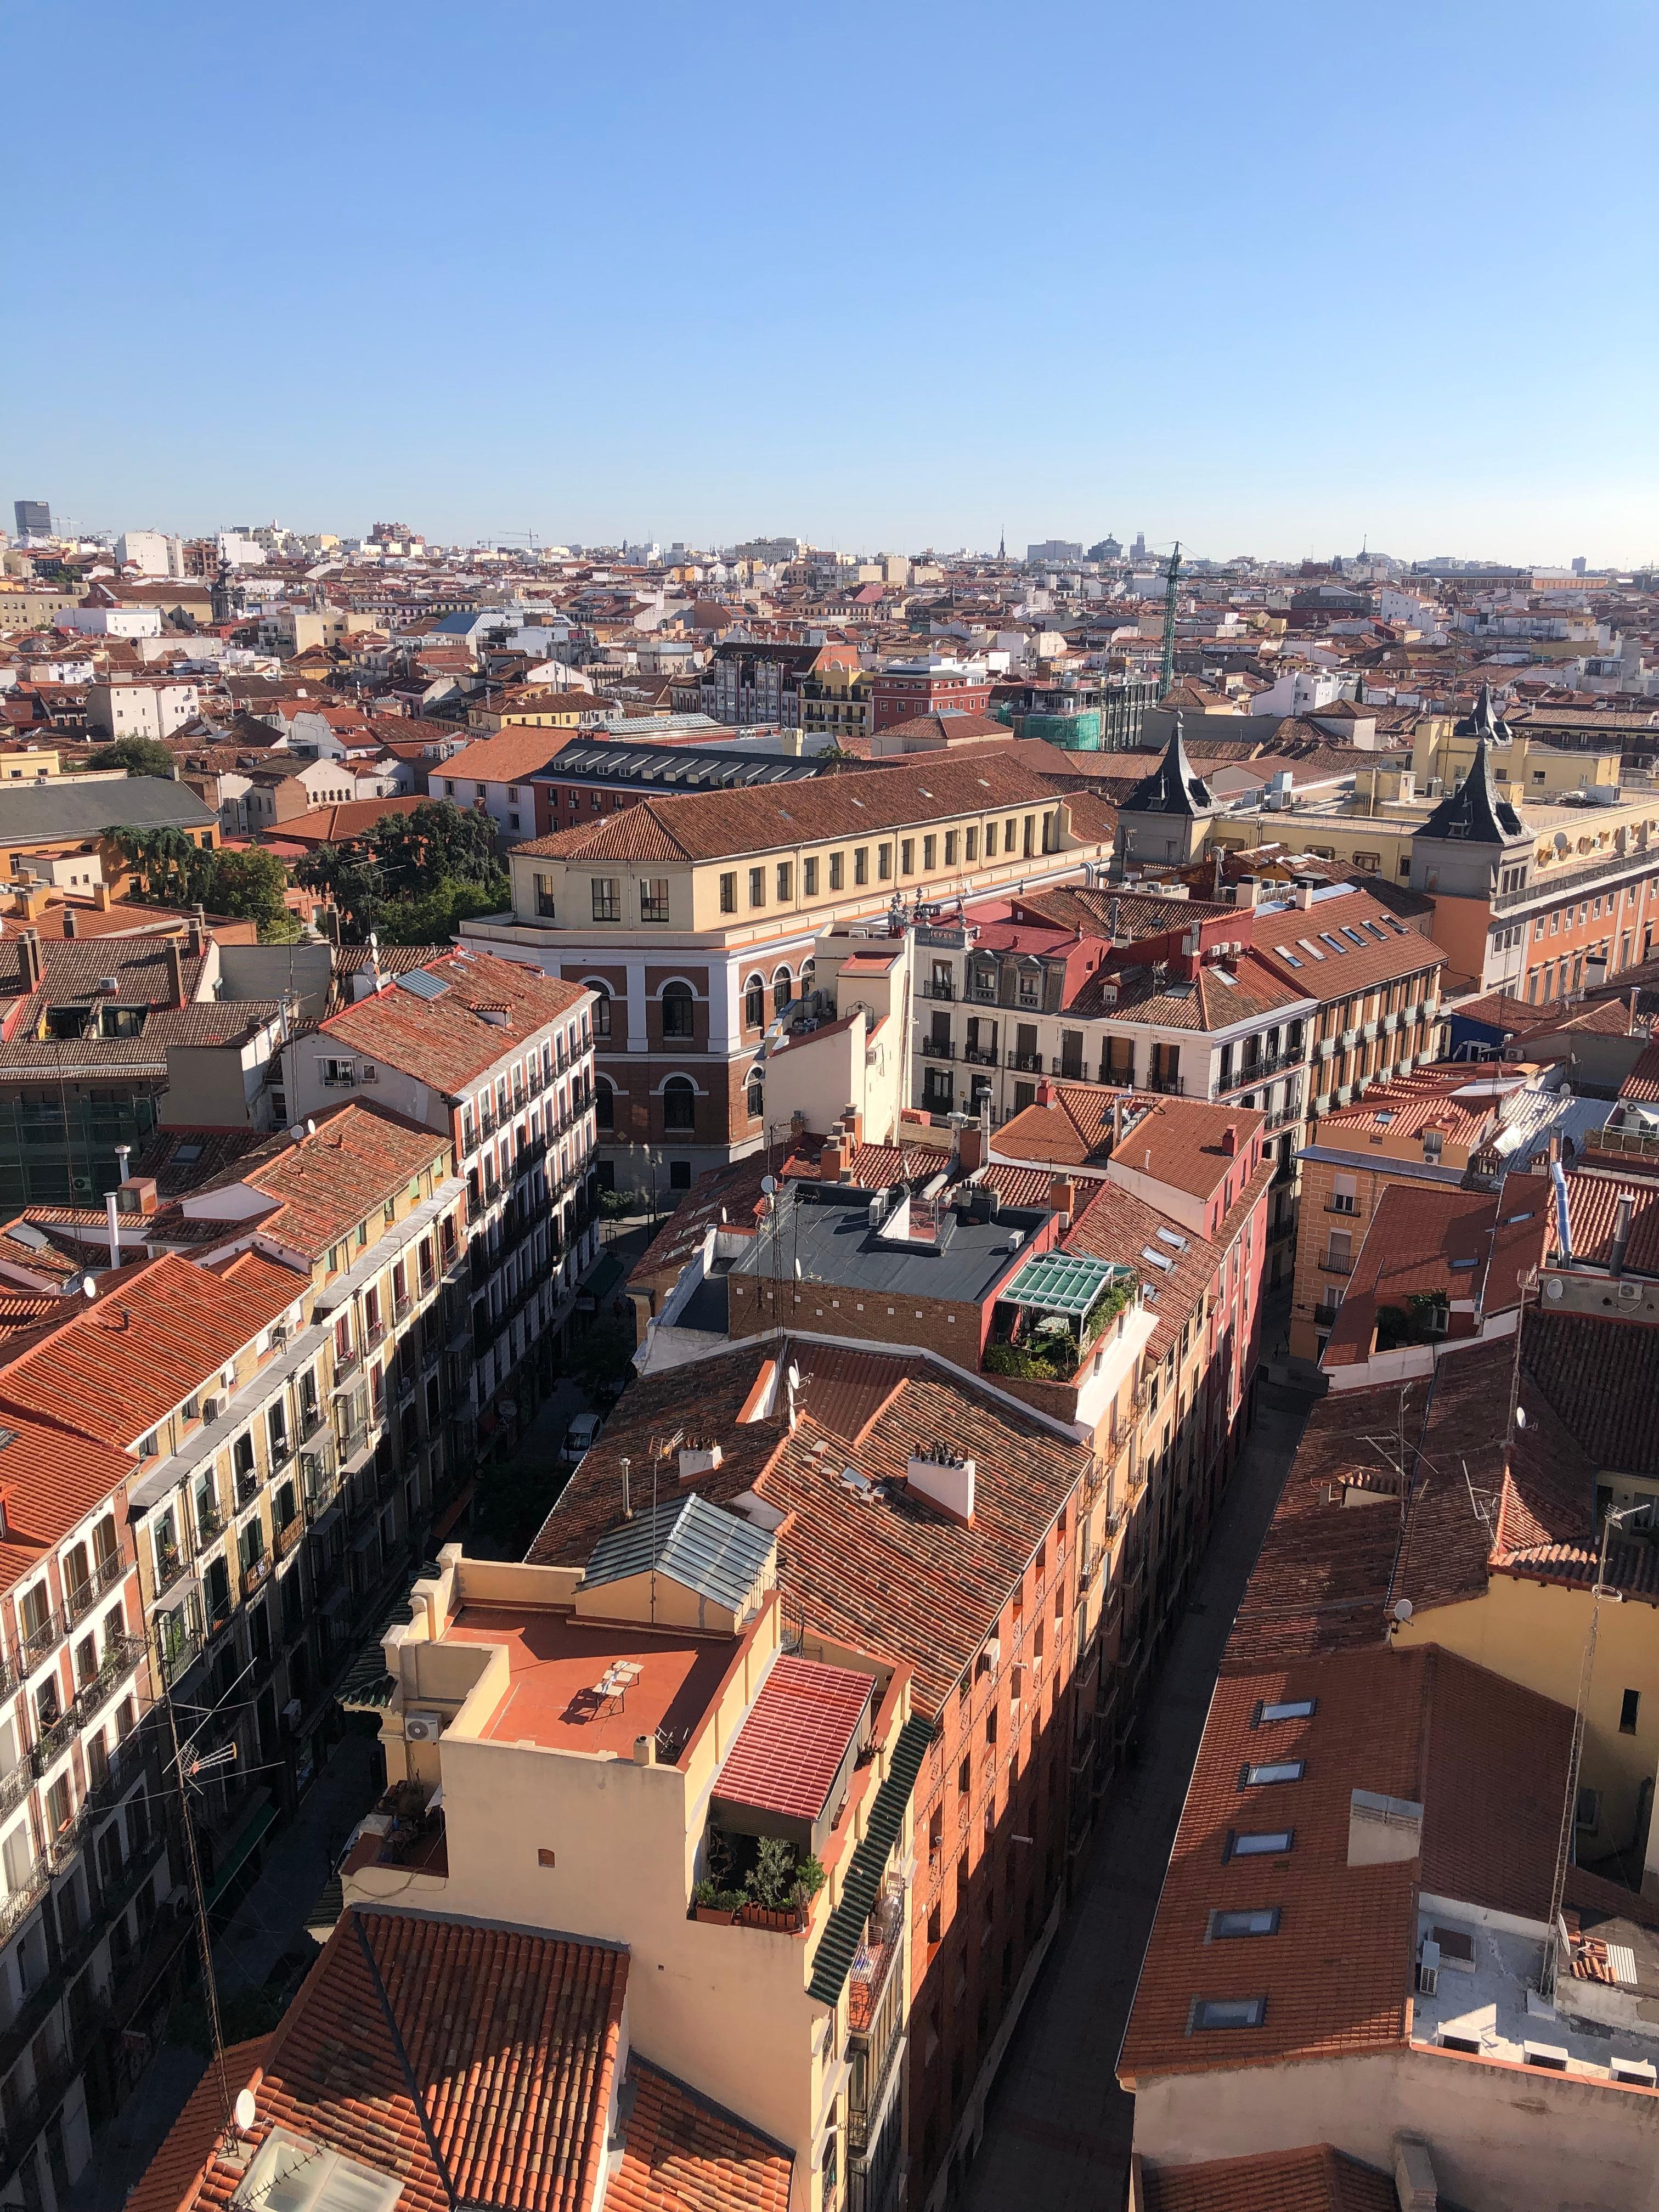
(825, 1230)
(556, 1665)
(1486, 2003)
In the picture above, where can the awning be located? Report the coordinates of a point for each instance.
(838, 1945)
(240, 1851)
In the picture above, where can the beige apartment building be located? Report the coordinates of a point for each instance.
(693, 921)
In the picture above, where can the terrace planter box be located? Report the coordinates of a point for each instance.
(718, 1915)
(782, 1919)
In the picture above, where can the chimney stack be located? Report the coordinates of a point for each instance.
(1062, 1199)
(1621, 1219)
(176, 968)
(68, 921)
(30, 940)
(1229, 1140)
(829, 1162)
(969, 1147)
(114, 1211)
(1045, 1093)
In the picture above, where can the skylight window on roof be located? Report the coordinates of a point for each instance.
(1287, 955)
(187, 1155)
(1263, 1921)
(1269, 1771)
(1157, 1258)
(1335, 944)
(291, 2174)
(1228, 2012)
(1260, 1842)
(1172, 1237)
(1287, 1709)
(421, 983)
(1355, 935)
(1308, 945)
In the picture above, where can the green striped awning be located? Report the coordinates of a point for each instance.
(838, 1945)
(365, 1685)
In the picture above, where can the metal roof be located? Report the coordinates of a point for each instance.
(423, 983)
(675, 767)
(693, 1543)
(843, 1931)
(1063, 1282)
(87, 810)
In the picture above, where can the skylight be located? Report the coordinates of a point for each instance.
(1271, 1770)
(1287, 955)
(1172, 1237)
(1335, 944)
(1260, 1842)
(1288, 1709)
(1262, 1920)
(1308, 945)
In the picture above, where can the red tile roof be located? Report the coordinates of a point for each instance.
(1485, 1759)
(161, 1331)
(446, 1041)
(510, 2039)
(791, 1745)
(358, 1156)
(684, 2153)
(1317, 2179)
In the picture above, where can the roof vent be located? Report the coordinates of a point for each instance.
(1413, 2175)
(699, 1458)
(1382, 1829)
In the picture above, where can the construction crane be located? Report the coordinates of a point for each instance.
(1169, 622)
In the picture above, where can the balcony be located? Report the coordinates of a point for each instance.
(1030, 1062)
(209, 1524)
(944, 989)
(255, 1572)
(288, 1536)
(247, 1487)
(977, 1056)
(1172, 1085)
(84, 1595)
(937, 1049)
(279, 1451)
(121, 1655)
(1336, 1263)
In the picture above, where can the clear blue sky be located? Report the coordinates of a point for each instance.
(1270, 278)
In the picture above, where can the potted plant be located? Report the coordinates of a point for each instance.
(780, 1888)
(712, 1903)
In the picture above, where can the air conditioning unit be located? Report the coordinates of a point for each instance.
(422, 1727)
(1428, 1967)
(227, 1378)
(211, 1409)
(291, 1712)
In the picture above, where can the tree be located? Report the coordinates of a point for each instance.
(436, 914)
(253, 886)
(432, 841)
(137, 756)
(412, 878)
(172, 870)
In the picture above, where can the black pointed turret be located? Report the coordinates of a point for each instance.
(1474, 814)
(1172, 787)
(1485, 722)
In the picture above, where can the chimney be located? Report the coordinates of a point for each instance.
(1304, 897)
(1045, 1092)
(1229, 1140)
(137, 1194)
(1414, 2184)
(1062, 1199)
(176, 968)
(1621, 1216)
(30, 941)
(68, 921)
(100, 898)
(970, 1150)
(830, 1161)
(853, 1122)
(1629, 1026)
(944, 1481)
(645, 1750)
(627, 1502)
(113, 1206)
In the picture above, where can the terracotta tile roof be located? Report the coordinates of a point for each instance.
(794, 1737)
(878, 1570)
(1180, 1141)
(1112, 1224)
(1602, 1378)
(1187, 1141)
(358, 1156)
(1090, 911)
(512, 755)
(445, 1041)
(1642, 1084)
(49, 1479)
(1408, 1104)
(173, 2178)
(1593, 1196)
(1317, 2179)
(713, 825)
(1332, 924)
(511, 2039)
(1485, 1759)
(1423, 1238)
(161, 1331)
(684, 2153)
(334, 825)
(1220, 993)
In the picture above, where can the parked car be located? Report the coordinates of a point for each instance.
(579, 1437)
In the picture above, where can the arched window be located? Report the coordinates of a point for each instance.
(605, 1106)
(754, 1097)
(676, 1004)
(601, 1008)
(754, 1002)
(782, 990)
(679, 1103)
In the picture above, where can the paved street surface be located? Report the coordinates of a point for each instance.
(1058, 2130)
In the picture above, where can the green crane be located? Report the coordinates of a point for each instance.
(1170, 621)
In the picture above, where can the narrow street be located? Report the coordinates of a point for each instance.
(1058, 2130)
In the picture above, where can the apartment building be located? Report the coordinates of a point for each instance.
(693, 921)
(933, 684)
(597, 774)
(834, 704)
(143, 706)
(89, 1935)
(498, 1058)
(744, 684)
(925, 1527)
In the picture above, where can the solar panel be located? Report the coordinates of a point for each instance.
(422, 983)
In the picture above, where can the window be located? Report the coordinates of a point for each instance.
(1627, 1711)
(679, 1103)
(1288, 1708)
(729, 892)
(970, 844)
(1263, 1921)
(758, 887)
(884, 861)
(1587, 1813)
(785, 882)
(544, 904)
(990, 840)
(861, 863)
(754, 1003)
(949, 848)
(1345, 1195)
(837, 870)
(908, 856)
(1227, 2012)
(607, 899)
(677, 1005)
(809, 878)
(654, 898)
(929, 853)
(782, 990)
(1258, 1843)
(601, 1013)
(1273, 1769)
(754, 1097)
(605, 1106)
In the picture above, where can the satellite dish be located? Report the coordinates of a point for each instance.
(768, 1184)
(297, 1131)
(311, 1126)
(1402, 1609)
(794, 1377)
(89, 1288)
(247, 2111)
(1520, 1416)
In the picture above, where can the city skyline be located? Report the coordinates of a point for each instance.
(1275, 301)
